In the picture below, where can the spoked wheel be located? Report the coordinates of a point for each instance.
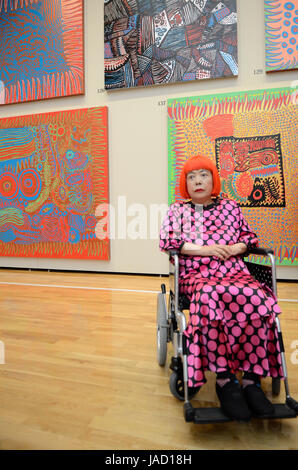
(177, 387)
(162, 328)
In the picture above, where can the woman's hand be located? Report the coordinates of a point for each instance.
(237, 249)
(222, 252)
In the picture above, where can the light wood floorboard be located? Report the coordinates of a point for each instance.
(80, 369)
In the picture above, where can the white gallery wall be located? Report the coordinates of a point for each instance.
(138, 160)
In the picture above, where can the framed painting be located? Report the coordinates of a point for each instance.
(252, 138)
(53, 178)
(155, 42)
(41, 49)
(281, 30)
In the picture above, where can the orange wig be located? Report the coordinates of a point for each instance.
(199, 163)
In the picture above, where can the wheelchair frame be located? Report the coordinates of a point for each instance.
(171, 323)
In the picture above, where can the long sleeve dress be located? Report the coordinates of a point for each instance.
(232, 316)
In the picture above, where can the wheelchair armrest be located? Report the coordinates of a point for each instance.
(259, 251)
(250, 251)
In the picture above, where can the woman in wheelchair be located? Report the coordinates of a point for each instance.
(231, 324)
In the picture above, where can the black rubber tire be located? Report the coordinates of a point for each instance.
(177, 387)
(161, 330)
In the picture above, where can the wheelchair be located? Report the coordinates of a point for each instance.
(171, 323)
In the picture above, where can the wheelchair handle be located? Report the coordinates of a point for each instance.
(173, 252)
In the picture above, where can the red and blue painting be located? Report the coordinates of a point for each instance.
(53, 177)
(41, 49)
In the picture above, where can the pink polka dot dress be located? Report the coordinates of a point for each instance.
(231, 323)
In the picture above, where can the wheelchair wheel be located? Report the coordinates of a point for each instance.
(275, 387)
(177, 387)
(162, 328)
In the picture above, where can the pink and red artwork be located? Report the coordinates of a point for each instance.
(41, 49)
(53, 177)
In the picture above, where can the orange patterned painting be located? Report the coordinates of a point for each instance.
(281, 28)
(252, 138)
(53, 177)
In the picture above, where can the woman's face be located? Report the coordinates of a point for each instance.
(199, 186)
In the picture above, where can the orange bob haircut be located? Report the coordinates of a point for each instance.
(199, 163)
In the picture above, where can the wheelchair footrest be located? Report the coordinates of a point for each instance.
(216, 415)
(210, 415)
(281, 411)
(204, 415)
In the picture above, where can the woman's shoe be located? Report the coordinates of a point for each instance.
(232, 401)
(257, 401)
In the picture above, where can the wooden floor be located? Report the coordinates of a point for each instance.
(80, 369)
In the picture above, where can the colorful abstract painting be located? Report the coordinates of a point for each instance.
(252, 170)
(53, 177)
(154, 42)
(281, 31)
(41, 49)
(252, 138)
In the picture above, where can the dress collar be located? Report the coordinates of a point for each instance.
(209, 206)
